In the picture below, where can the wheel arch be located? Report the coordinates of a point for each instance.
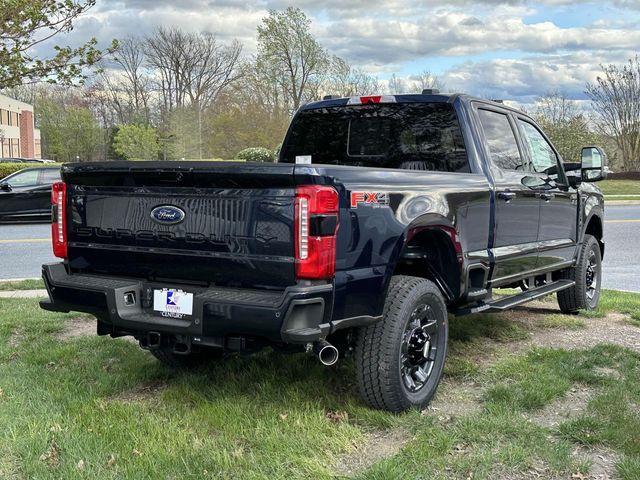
(594, 227)
(432, 250)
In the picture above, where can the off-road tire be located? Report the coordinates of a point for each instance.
(378, 347)
(573, 299)
(192, 360)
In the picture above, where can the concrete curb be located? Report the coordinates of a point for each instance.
(24, 294)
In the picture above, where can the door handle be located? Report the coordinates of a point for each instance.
(507, 196)
(546, 196)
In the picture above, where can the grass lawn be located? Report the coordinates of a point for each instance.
(76, 406)
(620, 187)
(30, 284)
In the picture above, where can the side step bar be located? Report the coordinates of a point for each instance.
(506, 303)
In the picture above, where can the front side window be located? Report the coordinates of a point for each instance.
(414, 136)
(501, 140)
(542, 155)
(24, 179)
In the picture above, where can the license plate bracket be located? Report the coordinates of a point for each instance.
(172, 302)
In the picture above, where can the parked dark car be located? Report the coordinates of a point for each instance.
(382, 215)
(12, 160)
(25, 160)
(25, 196)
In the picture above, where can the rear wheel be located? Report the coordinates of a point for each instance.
(191, 360)
(587, 274)
(399, 360)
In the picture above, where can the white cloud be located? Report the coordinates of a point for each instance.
(458, 34)
(526, 78)
(391, 34)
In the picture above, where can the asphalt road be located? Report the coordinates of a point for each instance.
(24, 248)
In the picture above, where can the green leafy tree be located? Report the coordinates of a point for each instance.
(69, 132)
(136, 142)
(290, 54)
(566, 126)
(25, 24)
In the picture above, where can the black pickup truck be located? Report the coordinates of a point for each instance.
(382, 215)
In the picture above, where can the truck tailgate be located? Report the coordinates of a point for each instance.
(237, 225)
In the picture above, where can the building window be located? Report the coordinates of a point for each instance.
(4, 117)
(16, 119)
(14, 147)
(5, 147)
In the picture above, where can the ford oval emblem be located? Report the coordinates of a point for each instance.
(167, 215)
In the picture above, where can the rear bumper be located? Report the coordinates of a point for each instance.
(297, 315)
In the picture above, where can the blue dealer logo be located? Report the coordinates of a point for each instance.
(167, 215)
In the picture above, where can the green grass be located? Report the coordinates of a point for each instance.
(569, 322)
(616, 301)
(500, 439)
(109, 407)
(622, 199)
(30, 284)
(620, 187)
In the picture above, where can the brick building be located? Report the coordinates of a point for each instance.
(18, 135)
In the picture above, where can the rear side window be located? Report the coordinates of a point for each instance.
(50, 176)
(501, 140)
(420, 136)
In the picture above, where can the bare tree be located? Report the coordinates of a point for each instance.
(295, 58)
(346, 81)
(396, 85)
(193, 69)
(568, 127)
(425, 80)
(136, 82)
(555, 107)
(615, 97)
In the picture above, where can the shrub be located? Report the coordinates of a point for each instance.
(257, 154)
(136, 142)
(9, 168)
(276, 152)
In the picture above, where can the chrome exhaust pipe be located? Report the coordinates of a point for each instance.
(327, 353)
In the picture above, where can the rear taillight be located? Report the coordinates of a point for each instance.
(59, 219)
(316, 227)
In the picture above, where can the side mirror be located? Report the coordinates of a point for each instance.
(593, 164)
(5, 186)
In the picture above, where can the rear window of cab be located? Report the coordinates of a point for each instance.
(412, 136)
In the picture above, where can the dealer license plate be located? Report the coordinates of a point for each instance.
(172, 302)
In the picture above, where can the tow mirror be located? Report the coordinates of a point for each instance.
(5, 186)
(593, 164)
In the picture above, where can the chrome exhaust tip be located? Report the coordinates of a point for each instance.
(326, 353)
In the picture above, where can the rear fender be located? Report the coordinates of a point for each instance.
(430, 248)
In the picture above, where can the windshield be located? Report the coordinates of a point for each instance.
(414, 136)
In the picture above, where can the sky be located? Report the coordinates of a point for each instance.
(504, 49)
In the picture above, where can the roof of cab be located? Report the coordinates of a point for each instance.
(407, 98)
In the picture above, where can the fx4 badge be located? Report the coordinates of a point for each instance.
(374, 199)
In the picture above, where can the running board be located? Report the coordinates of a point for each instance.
(506, 303)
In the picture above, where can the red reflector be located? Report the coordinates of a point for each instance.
(315, 255)
(59, 219)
